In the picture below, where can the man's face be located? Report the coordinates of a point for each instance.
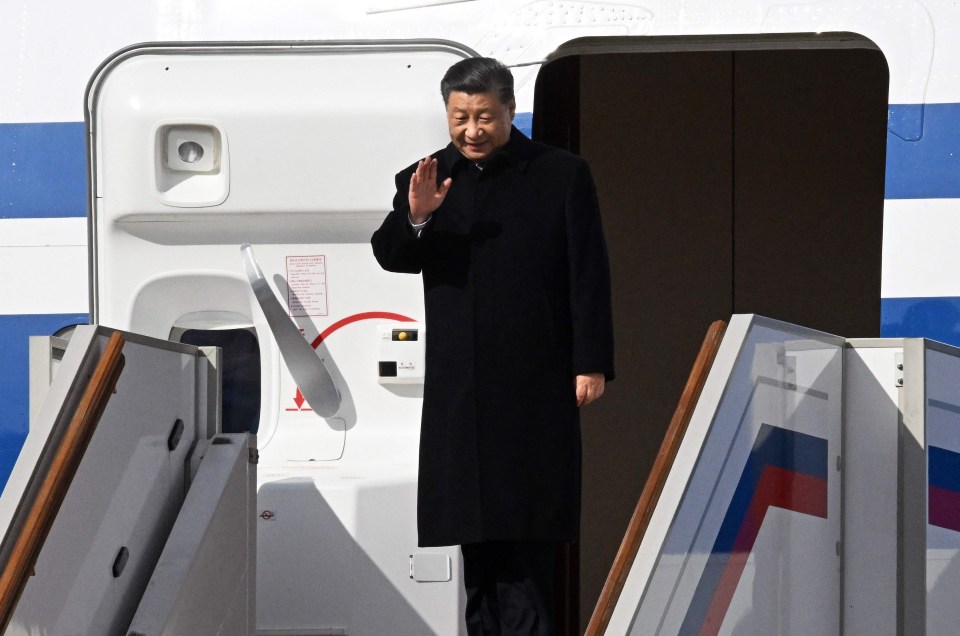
(479, 124)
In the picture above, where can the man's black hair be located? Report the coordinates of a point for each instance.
(478, 75)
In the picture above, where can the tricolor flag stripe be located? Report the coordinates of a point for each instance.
(943, 488)
(944, 468)
(785, 469)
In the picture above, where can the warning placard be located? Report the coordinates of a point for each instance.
(307, 282)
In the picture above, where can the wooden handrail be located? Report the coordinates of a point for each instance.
(42, 511)
(654, 486)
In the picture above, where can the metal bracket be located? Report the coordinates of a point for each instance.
(789, 372)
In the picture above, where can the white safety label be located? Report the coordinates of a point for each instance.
(307, 285)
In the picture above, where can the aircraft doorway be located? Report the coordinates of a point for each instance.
(734, 176)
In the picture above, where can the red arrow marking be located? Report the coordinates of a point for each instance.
(382, 315)
(298, 399)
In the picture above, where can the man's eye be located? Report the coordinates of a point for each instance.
(485, 120)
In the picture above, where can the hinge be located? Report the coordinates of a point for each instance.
(899, 372)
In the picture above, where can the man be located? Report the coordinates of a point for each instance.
(506, 233)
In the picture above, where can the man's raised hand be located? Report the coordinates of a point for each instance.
(425, 197)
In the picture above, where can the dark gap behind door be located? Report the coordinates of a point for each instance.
(810, 151)
(656, 131)
(747, 182)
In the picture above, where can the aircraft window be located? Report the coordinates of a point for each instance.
(241, 374)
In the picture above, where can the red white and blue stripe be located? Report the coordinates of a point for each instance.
(943, 488)
(785, 469)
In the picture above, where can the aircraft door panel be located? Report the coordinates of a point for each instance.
(292, 149)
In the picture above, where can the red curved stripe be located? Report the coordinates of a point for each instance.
(367, 315)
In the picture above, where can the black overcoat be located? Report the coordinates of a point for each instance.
(517, 292)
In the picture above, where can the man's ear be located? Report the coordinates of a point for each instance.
(513, 108)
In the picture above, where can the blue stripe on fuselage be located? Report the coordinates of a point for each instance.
(15, 383)
(43, 165)
(524, 123)
(933, 318)
(43, 170)
(928, 167)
